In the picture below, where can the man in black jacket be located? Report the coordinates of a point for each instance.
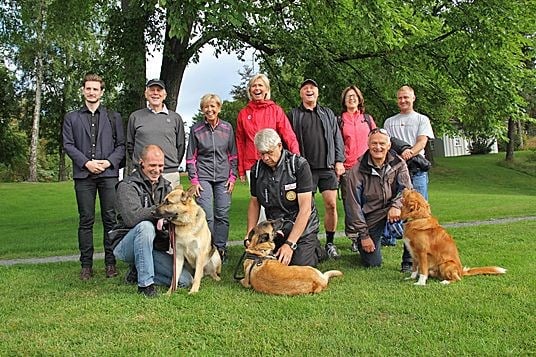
(321, 144)
(94, 140)
(145, 243)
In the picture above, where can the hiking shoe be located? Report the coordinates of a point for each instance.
(406, 267)
(131, 276)
(331, 250)
(355, 246)
(111, 271)
(86, 273)
(148, 291)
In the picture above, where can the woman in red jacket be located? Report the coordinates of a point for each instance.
(260, 113)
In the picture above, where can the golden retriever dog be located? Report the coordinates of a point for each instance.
(264, 273)
(192, 238)
(433, 250)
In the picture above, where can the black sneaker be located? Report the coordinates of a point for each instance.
(132, 275)
(148, 291)
(406, 267)
(331, 249)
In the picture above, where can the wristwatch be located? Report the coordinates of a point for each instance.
(292, 245)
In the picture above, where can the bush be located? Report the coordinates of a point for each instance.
(480, 146)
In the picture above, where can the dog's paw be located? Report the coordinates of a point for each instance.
(193, 291)
(413, 275)
(420, 283)
(445, 282)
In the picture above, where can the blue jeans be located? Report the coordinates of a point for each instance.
(154, 267)
(216, 202)
(420, 184)
(86, 193)
(374, 259)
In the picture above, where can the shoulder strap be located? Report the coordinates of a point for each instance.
(339, 121)
(367, 119)
(291, 165)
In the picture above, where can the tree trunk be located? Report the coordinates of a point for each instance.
(174, 61)
(62, 174)
(34, 143)
(519, 126)
(510, 144)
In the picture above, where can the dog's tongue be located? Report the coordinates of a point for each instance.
(280, 233)
(160, 224)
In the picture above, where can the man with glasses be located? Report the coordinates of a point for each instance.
(282, 183)
(374, 195)
(415, 129)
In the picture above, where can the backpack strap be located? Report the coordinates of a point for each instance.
(367, 119)
(291, 165)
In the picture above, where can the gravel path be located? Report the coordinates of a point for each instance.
(97, 256)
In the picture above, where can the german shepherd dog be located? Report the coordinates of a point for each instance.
(264, 273)
(433, 250)
(192, 238)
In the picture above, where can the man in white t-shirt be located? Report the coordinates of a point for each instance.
(415, 129)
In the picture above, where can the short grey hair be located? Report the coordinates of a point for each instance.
(266, 139)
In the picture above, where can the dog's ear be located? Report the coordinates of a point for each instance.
(251, 234)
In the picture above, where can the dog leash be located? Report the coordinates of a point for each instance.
(172, 243)
(238, 265)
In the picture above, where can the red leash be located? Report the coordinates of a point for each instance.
(172, 244)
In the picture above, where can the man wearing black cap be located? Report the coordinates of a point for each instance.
(321, 144)
(158, 126)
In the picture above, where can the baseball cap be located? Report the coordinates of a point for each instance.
(156, 82)
(309, 81)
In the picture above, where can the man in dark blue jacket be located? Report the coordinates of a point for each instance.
(96, 150)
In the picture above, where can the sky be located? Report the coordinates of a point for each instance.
(209, 75)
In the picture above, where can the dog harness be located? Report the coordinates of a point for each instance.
(258, 262)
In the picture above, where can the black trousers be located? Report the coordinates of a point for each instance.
(86, 192)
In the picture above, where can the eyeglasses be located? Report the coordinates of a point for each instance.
(378, 130)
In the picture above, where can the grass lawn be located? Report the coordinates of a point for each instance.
(46, 310)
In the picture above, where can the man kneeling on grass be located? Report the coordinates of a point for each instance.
(144, 243)
(374, 194)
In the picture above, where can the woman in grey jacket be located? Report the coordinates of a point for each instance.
(211, 161)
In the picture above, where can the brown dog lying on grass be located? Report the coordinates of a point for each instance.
(433, 250)
(192, 237)
(264, 273)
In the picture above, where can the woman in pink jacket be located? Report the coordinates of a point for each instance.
(260, 113)
(355, 127)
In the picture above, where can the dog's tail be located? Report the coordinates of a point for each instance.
(483, 271)
(331, 273)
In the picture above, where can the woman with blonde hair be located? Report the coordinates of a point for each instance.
(211, 162)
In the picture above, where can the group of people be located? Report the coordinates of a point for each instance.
(286, 158)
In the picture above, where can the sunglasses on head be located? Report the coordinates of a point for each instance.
(378, 130)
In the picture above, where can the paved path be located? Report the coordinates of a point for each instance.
(97, 256)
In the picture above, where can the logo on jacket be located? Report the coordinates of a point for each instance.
(291, 195)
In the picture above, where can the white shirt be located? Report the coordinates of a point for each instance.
(408, 127)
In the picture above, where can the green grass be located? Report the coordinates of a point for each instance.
(46, 310)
